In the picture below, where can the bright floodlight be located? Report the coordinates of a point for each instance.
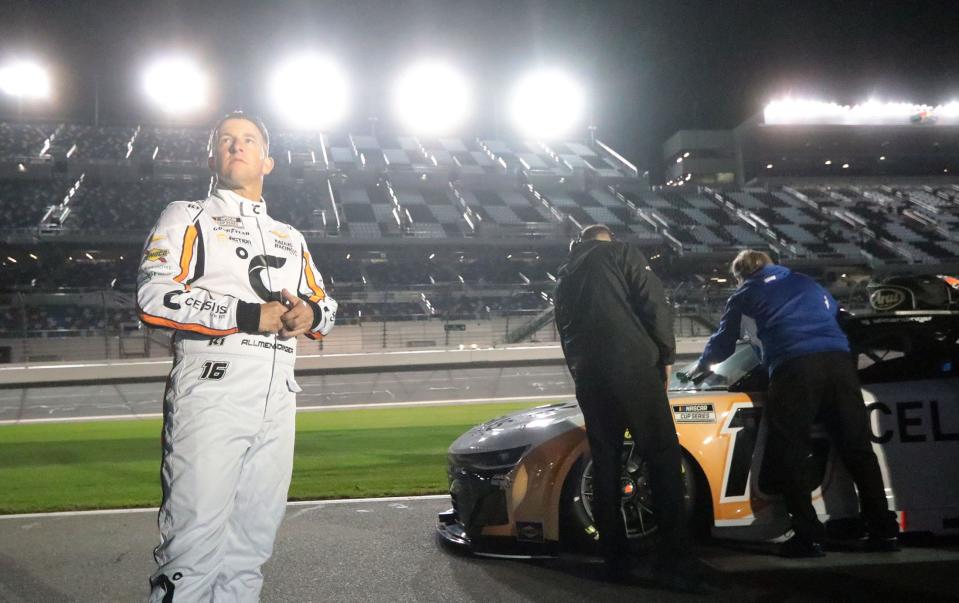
(310, 91)
(547, 104)
(25, 80)
(792, 111)
(432, 98)
(176, 85)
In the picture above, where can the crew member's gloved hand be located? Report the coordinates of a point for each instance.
(697, 371)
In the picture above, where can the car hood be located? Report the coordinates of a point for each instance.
(529, 427)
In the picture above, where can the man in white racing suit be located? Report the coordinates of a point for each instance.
(237, 287)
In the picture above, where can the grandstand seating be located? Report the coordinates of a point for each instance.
(473, 225)
(170, 144)
(21, 140)
(106, 206)
(24, 202)
(87, 143)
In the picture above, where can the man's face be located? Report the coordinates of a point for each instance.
(239, 154)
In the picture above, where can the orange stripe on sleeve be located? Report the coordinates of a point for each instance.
(186, 256)
(318, 293)
(172, 324)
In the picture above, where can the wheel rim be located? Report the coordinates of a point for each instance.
(636, 495)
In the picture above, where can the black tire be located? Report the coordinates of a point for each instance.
(578, 529)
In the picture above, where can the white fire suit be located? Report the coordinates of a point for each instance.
(230, 403)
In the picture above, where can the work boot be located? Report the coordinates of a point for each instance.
(873, 543)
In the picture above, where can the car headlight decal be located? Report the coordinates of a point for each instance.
(520, 485)
(493, 460)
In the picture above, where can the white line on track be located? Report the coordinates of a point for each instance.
(292, 503)
(452, 402)
(325, 382)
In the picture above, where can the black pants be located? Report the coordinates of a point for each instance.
(611, 401)
(821, 386)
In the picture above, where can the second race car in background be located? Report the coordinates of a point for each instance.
(522, 484)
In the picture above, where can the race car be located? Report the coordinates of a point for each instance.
(521, 485)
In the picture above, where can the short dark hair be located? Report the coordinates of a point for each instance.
(593, 231)
(253, 119)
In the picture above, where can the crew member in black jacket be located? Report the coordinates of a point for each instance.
(616, 330)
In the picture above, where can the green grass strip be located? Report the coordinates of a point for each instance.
(339, 454)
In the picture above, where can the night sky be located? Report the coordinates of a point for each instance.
(650, 68)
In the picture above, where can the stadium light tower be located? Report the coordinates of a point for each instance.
(310, 91)
(25, 80)
(547, 104)
(176, 85)
(432, 98)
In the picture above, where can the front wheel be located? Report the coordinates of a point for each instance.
(579, 529)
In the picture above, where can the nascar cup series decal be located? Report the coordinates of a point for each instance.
(694, 413)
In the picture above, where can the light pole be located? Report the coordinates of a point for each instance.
(25, 80)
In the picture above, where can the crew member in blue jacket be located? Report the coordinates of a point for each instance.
(812, 374)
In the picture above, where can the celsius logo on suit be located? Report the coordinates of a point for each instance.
(258, 264)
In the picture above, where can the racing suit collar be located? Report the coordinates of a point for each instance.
(242, 205)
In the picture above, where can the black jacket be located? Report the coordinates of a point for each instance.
(611, 310)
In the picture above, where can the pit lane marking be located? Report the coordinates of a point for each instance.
(313, 504)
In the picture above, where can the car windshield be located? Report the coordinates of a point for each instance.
(722, 375)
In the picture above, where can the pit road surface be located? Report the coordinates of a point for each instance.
(386, 550)
(132, 400)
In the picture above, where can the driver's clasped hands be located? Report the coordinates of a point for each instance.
(288, 318)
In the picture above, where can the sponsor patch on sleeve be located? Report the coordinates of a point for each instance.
(694, 413)
(157, 254)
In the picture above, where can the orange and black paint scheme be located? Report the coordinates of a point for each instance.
(520, 484)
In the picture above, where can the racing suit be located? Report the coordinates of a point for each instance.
(229, 406)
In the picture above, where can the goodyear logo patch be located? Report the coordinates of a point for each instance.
(156, 238)
(282, 235)
(228, 221)
(694, 413)
(157, 254)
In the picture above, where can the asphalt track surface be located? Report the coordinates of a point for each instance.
(145, 399)
(387, 550)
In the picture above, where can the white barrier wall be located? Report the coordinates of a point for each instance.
(365, 337)
(308, 360)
